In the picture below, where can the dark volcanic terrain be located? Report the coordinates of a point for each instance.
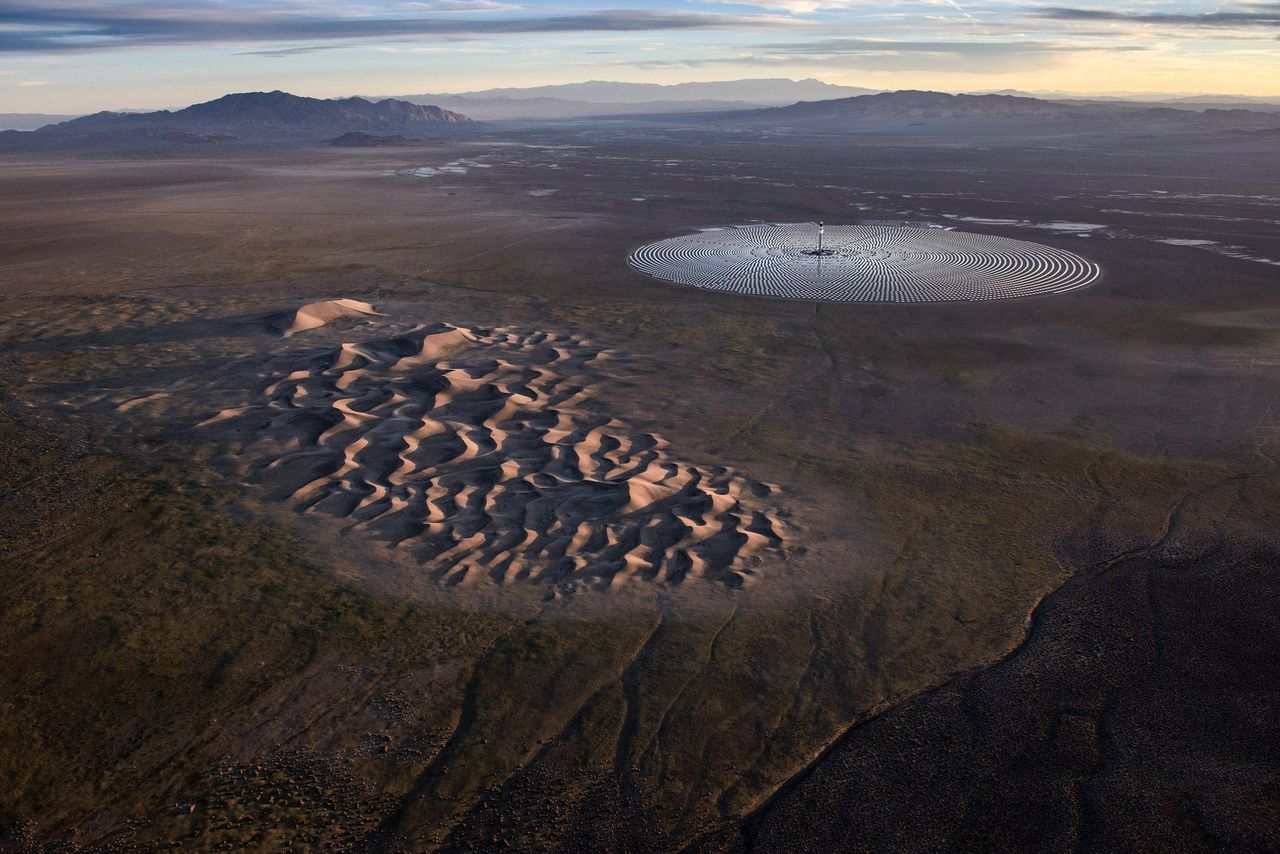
(366, 498)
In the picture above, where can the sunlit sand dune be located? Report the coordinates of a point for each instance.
(318, 314)
(489, 456)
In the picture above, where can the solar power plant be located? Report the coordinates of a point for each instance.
(863, 263)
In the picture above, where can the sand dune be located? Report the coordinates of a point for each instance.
(488, 456)
(318, 314)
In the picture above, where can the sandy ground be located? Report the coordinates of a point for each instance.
(490, 455)
(506, 543)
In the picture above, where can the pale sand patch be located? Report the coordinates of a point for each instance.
(318, 314)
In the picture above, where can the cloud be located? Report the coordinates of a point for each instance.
(461, 6)
(281, 52)
(839, 47)
(795, 7)
(25, 83)
(1252, 15)
(884, 8)
(67, 26)
(453, 49)
(887, 55)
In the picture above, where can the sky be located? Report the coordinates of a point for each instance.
(75, 56)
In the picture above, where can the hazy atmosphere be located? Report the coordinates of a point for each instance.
(75, 57)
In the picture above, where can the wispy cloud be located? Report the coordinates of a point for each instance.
(843, 47)
(796, 7)
(461, 6)
(875, 54)
(282, 52)
(1251, 15)
(58, 27)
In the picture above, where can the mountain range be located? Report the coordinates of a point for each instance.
(248, 116)
(919, 111)
(607, 98)
(278, 117)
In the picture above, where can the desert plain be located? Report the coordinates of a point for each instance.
(367, 499)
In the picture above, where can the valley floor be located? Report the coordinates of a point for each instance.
(814, 576)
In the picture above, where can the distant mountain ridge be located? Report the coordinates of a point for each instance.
(608, 98)
(297, 111)
(257, 114)
(913, 109)
(542, 109)
(30, 121)
(282, 118)
(245, 117)
(762, 90)
(910, 103)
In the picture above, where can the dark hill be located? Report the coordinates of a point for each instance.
(257, 115)
(348, 114)
(931, 105)
(918, 111)
(356, 139)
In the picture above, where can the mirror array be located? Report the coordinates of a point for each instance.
(863, 263)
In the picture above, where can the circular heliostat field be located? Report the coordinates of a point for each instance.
(863, 263)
